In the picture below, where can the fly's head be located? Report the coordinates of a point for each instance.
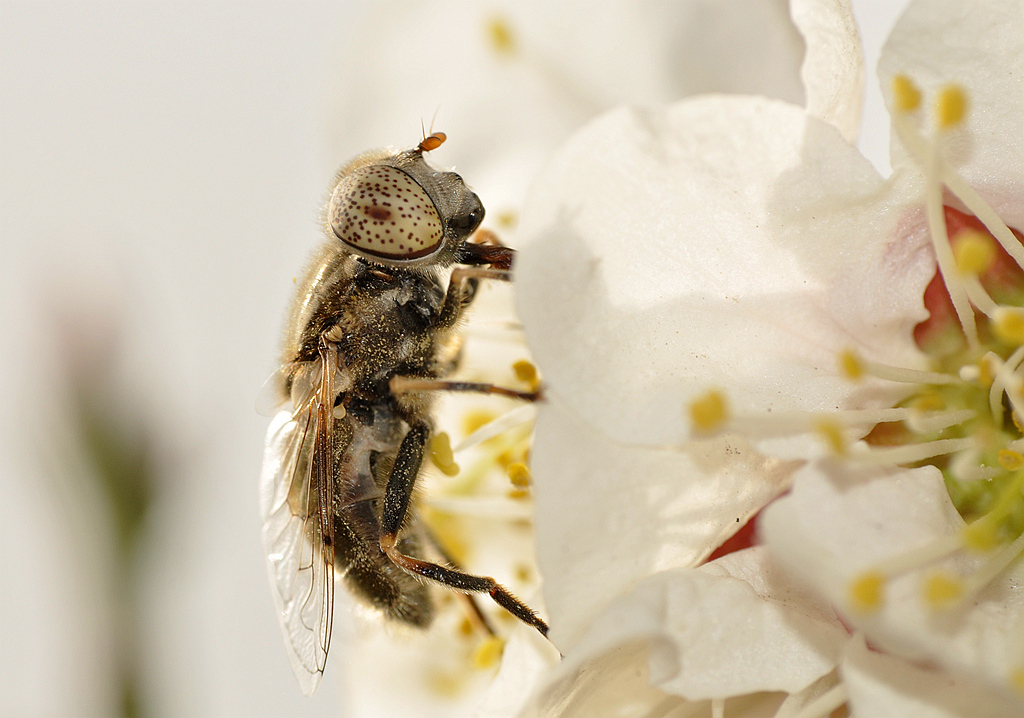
(396, 210)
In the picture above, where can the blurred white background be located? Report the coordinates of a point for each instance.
(161, 169)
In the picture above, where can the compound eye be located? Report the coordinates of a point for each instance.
(467, 222)
(383, 212)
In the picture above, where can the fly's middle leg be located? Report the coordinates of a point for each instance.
(396, 506)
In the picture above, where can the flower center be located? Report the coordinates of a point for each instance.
(969, 423)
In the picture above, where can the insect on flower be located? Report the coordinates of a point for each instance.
(371, 335)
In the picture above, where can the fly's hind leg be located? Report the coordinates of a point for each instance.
(476, 617)
(396, 506)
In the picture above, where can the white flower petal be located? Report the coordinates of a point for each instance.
(609, 514)
(708, 633)
(978, 44)
(738, 626)
(722, 242)
(833, 66)
(882, 686)
(526, 660)
(746, 47)
(839, 522)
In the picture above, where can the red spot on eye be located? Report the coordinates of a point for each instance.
(379, 213)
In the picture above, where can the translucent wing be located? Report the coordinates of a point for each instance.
(295, 498)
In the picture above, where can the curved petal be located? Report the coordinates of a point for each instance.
(978, 44)
(734, 627)
(609, 514)
(833, 66)
(722, 242)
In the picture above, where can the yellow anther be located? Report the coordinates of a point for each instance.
(865, 592)
(473, 420)
(465, 627)
(446, 683)
(832, 433)
(980, 535)
(710, 411)
(507, 219)
(523, 573)
(1017, 422)
(985, 375)
(518, 494)
(974, 252)
(850, 365)
(488, 653)
(942, 590)
(441, 454)
(1011, 460)
(906, 96)
(1017, 679)
(1008, 325)
(501, 36)
(519, 474)
(950, 107)
(526, 371)
(928, 402)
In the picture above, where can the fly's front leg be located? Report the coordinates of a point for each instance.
(396, 506)
(483, 248)
(404, 384)
(458, 286)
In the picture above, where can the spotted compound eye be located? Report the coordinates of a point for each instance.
(383, 212)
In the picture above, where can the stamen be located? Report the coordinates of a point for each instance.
(974, 252)
(950, 107)
(519, 474)
(825, 704)
(509, 420)
(850, 365)
(906, 96)
(913, 453)
(709, 412)
(441, 454)
(982, 534)
(964, 467)
(865, 592)
(934, 422)
(919, 557)
(1008, 324)
(944, 253)
(978, 296)
(942, 590)
(488, 652)
(1011, 460)
(919, 148)
(907, 376)
(832, 433)
(798, 422)
(993, 567)
(983, 211)
(526, 371)
(1005, 381)
(501, 36)
(717, 708)
(1017, 678)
